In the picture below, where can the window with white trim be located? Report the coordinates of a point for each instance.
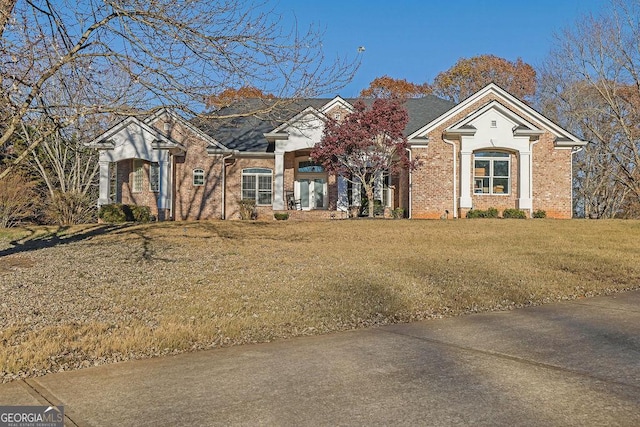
(138, 176)
(154, 177)
(257, 185)
(491, 172)
(198, 177)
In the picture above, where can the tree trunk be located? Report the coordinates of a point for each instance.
(370, 200)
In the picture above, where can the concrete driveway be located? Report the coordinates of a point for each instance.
(574, 363)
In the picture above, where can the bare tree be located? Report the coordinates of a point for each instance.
(135, 56)
(591, 82)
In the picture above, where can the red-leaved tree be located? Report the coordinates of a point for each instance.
(366, 145)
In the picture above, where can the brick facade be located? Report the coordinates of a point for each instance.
(433, 181)
(433, 190)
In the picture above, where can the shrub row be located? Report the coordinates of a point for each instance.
(507, 213)
(478, 213)
(514, 213)
(118, 212)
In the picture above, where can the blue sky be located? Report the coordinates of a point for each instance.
(417, 39)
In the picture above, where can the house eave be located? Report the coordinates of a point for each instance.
(106, 144)
(457, 133)
(419, 142)
(173, 147)
(568, 143)
(276, 136)
(254, 154)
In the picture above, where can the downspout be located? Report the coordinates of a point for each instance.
(574, 150)
(410, 189)
(172, 189)
(224, 185)
(455, 176)
(531, 176)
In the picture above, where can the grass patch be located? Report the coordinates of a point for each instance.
(87, 296)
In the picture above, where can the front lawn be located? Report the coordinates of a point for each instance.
(97, 294)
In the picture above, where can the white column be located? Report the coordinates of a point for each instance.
(356, 193)
(377, 186)
(278, 195)
(465, 180)
(524, 177)
(164, 197)
(343, 194)
(104, 183)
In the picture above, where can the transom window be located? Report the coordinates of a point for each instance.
(309, 166)
(198, 177)
(256, 185)
(491, 173)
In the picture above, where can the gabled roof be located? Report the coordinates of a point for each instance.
(247, 133)
(564, 138)
(104, 141)
(213, 143)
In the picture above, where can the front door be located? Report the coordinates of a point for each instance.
(312, 193)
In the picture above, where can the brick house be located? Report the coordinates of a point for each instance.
(490, 150)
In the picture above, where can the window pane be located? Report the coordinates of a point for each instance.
(264, 198)
(154, 177)
(310, 166)
(264, 182)
(500, 168)
(491, 154)
(500, 185)
(318, 192)
(198, 177)
(481, 185)
(256, 170)
(138, 172)
(481, 168)
(304, 193)
(264, 189)
(249, 187)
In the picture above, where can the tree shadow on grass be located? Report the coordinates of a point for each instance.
(59, 236)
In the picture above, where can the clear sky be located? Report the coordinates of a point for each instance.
(417, 39)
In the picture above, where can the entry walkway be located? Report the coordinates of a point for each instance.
(574, 363)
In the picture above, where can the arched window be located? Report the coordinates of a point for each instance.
(257, 185)
(491, 172)
(198, 177)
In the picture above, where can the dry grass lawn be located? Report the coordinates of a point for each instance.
(97, 294)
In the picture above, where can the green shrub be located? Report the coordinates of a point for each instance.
(397, 213)
(140, 213)
(475, 213)
(514, 213)
(117, 212)
(539, 214)
(247, 209)
(281, 216)
(478, 213)
(113, 212)
(492, 213)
